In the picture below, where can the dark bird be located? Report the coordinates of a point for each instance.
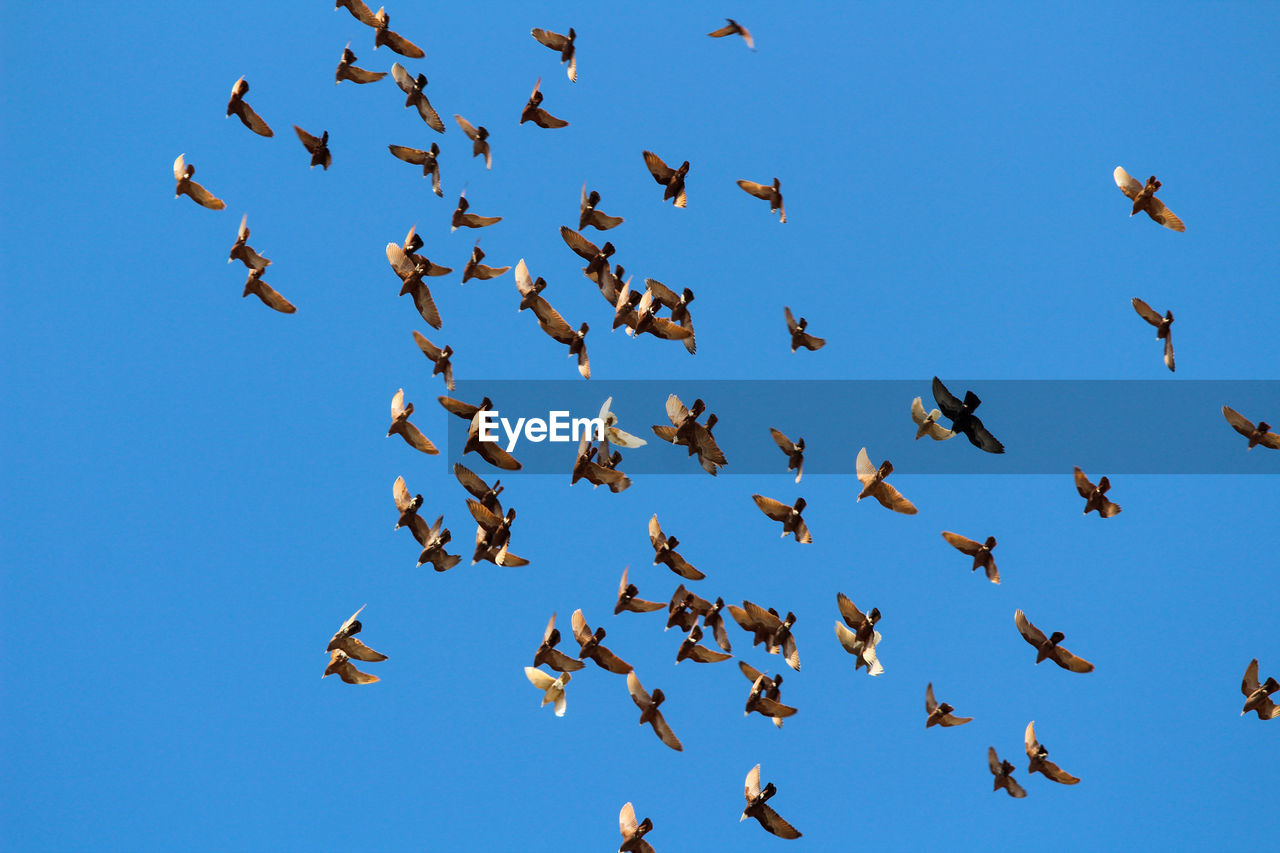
(874, 485)
(347, 69)
(588, 466)
(731, 29)
(490, 451)
(792, 522)
(462, 219)
(799, 337)
(475, 269)
(774, 630)
(963, 418)
(440, 358)
(412, 244)
(411, 275)
(548, 653)
(244, 112)
(589, 216)
(493, 535)
(940, 715)
(415, 95)
(685, 608)
(1162, 325)
(980, 551)
(562, 44)
(793, 449)
(758, 807)
(407, 505)
(535, 113)
(317, 148)
(927, 423)
(641, 316)
(344, 646)
(479, 137)
(685, 431)
(771, 194)
(1047, 647)
(628, 601)
(765, 696)
(427, 159)
(358, 10)
(679, 305)
(860, 638)
(182, 172)
(552, 688)
(241, 250)
(592, 649)
(597, 258)
(1259, 434)
(672, 179)
(1144, 198)
(400, 425)
(259, 288)
(714, 619)
(1040, 762)
(1095, 496)
(341, 665)
(633, 833)
(690, 649)
(649, 712)
(392, 39)
(665, 552)
(1002, 770)
(1257, 696)
(433, 539)
(487, 495)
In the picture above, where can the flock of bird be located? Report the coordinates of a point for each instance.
(598, 460)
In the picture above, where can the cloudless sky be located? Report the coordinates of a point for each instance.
(198, 489)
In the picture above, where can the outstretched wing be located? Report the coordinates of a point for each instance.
(1128, 185)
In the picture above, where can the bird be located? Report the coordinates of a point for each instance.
(641, 315)
(440, 358)
(400, 412)
(1095, 496)
(980, 551)
(358, 10)
(318, 148)
(1162, 325)
(347, 69)
(341, 665)
(589, 216)
(614, 435)
(487, 495)
(771, 194)
(665, 552)
(769, 627)
(714, 619)
(672, 179)
(591, 648)
(765, 695)
(535, 113)
(563, 44)
(415, 95)
(427, 159)
(940, 714)
(793, 449)
(182, 172)
(1040, 762)
(392, 39)
(685, 608)
(433, 539)
(633, 833)
(548, 653)
(343, 646)
(874, 485)
(549, 319)
(597, 257)
(1257, 696)
(963, 418)
(407, 505)
(690, 649)
(734, 28)
(649, 712)
(241, 251)
(628, 601)
(1002, 770)
(927, 424)
(1144, 198)
(588, 465)
(758, 807)
(1048, 647)
(269, 296)
(479, 137)
(860, 638)
(679, 305)
(552, 688)
(687, 432)
(462, 219)
(792, 521)
(411, 273)
(493, 535)
(490, 451)
(412, 244)
(475, 269)
(799, 337)
(240, 107)
(1259, 434)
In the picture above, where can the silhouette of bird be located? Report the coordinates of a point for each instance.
(440, 358)
(427, 159)
(940, 714)
(589, 216)
(649, 712)
(874, 485)
(633, 833)
(963, 418)
(980, 551)
(927, 424)
(400, 425)
(793, 449)
(241, 250)
(552, 688)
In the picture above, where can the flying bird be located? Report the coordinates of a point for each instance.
(758, 807)
(649, 712)
(771, 194)
(690, 649)
(793, 449)
(391, 38)
(665, 552)
(799, 337)
(731, 29)
(685, 431)
(487, 495)
(552, 688)
(633, 833)
(493, 535)
(318, 148)
(1162, 325)
(182, 172)
(440, 358)
(771, 629)
(940, 714)
(980, 551)
(563, 44)
(534, 112)
(344, 646)
(597, 257)
(269, 296)
(427, 159)
(765, 696)
(407, 505)
(1040, 762)
(672, 179)
(614, 435)
(1095, 496)
(792, 521)
(415, 95)
(660, 294)
(589, 465)
(340, 664)
(462, 219)
(874, 485)
(490, 451)
(1002, 770)
(433, 539)
(359, 11)
(591, 648)
(1047, 647)
(1257, 697)
(1144, 198)
(400, 412)
(241, 251)
(685, 608)
(927, 424)
(963, 418)
(589, 216)
(628, 600)
(347, 69)
(240, 107)
(548, 653)
(479, 137)
(475, 269)
(411, 274)
(1259, 434)
(860, 638)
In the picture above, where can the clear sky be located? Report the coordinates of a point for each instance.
(198, 489)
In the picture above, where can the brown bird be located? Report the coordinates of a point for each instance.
(734, 28)
(771, 194)
(758, 808)
(765, 696)
(341, 665)
(862, 640)
(927, 424)
(563, 44)
(632, 832)
(690, 648)
(412, 244)
(766, 625)
(259, 288)
(589, 216)
(640, 315)
(1095, 496)
(592, 649)
(792, 522)
(1162, 325)
(411, 274)
(649, 712)
(487, 495)
(980, 551)
(536, 114)
(400, 425)
(672, 179)
(490, 451)
(628, 601)
(493, 535)
(1144, 198)
(479, 137)
(1259, 434)
(687, 432)
(685, 608)
(433, 539)
(462, 219)
(475, 269)
(1002, 770)
(426, 159)
(1047, 647)
(799, 337)
(182, 172)
(415, 95)
(241, 250)
(793, 449)
(392, 39)
(679, 305)
(548, 653)
(406, 504)
(1257, 696)
(345, 641)
(665, 552)
(587, 467)
(439, 357)
(347, 69)
(552, 688)
(550, 320)
(874, 485)
(761, 631)
(244, 112)
(714, 619)
(1040, 762)
(940, 715)
(597, 258)
(358, 10)
(318, 148)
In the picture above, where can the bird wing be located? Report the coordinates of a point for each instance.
(930, 704)
(890, 498)
(774, 823)
(400, 492)
(662, 173)
(1056, 773)
(311, 143)
(1157, 211)
(358, 650)
(950, 405)
(426, 305)
(415, 439)
(272, 298)
(752, 784)
(981, 438)
(852, 616)
(787, 445)
(664, 732)
(581, 631)
(1128, 184)
(1083, 486)
(551, 321)
(1029, 632)
(203, 197)
(583, 247)
(429, 349)
(429, 114)
(962, 543)
(361, 75)
(764, 191)
(347, 672)
(410, 155)
(467, 127)
(1250, 682)
(662, 293)
(1168, 352)
(637, 691)
(1146, 312)
(401, 45)
(792, 325)
(865, 470)
(538, 678)
(775, 509)
(1069, 661)
(1238, 422)
(360, 12)
(627, 816)
(253, 121)
(555, 41)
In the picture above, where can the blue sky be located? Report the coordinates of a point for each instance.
(199, 488)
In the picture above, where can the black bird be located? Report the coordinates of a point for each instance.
(318, 148)
(963, 419)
